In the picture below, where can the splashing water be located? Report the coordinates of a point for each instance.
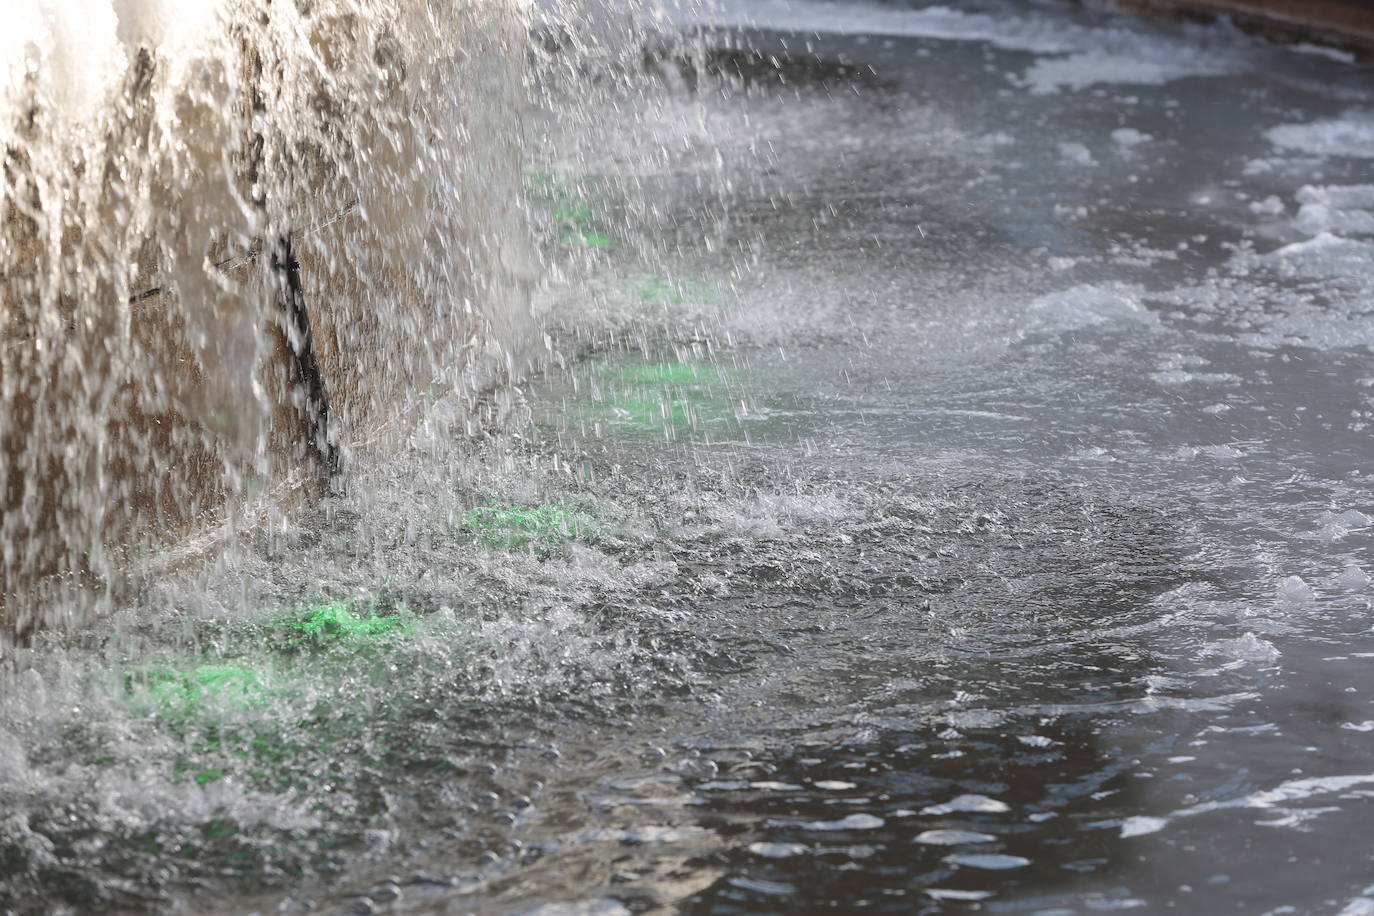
(238, 237)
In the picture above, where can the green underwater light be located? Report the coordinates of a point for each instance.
(575, 213)
(678, 374)
(182, 693)
(517, 526)
(658, 398)
(673, 292)
(568, 205)
(649, 412)
(238, 715)
(336, 622)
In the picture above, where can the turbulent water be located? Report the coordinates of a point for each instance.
(945, 489)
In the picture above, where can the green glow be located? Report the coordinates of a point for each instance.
(182, 693)
(662, 373)
(647, 412)
(336, 622)
(674, 292)
(201, 777)
(518, 526)
(545, 186)
(219, 829)
(275, 707)
(645, 398)
(588, 239)
(568, 204)
(575, 213)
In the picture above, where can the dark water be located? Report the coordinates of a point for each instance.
(966, 510)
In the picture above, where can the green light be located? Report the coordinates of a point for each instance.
(674, 292)
(219, 829)
(577, 214)
(181, 693)
(589, 240)
(662, 373)
(539, 179)
(336, 622)
(201, 777)
(276, 709)
(567, 203)
(518, 526)
(659, 397)
(648, 412)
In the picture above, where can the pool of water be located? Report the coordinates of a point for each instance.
(949, 492)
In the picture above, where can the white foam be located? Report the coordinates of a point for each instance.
(1142, 825)
(1009, 32)
(1336, 54)
(968, 803)
(606, 906)
(1247, 648)
(1183, 377)
(1335, 208)
(1353, 579)
(1093, 55)
(1349, 135)
(1141, 63)
(852, 822)
(1294, 790)
(953, 837)
(945, 893)
(1088, 305)
(1336, 525)
(1127, 137)
(1076, 154)
(1345, 196)
(1293, 590)
(1325, 254)
(989, 861)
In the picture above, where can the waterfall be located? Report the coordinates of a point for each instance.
(240, 238)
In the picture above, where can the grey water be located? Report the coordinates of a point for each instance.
(952, 455)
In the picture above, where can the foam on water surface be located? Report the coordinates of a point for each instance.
(1351, 134)
(1076, 56)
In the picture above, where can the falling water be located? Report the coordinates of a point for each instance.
(241, 239)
